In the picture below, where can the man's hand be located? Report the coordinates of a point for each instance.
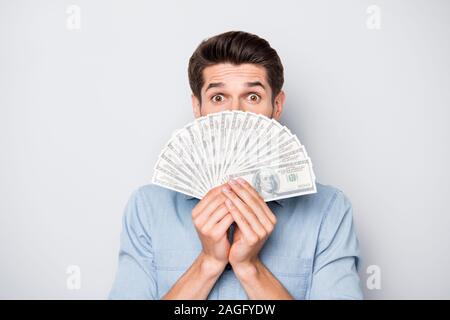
(212, 219)
(255, 223)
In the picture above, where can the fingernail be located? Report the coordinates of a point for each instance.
(241, 181)
(226, 189)
(232, 182)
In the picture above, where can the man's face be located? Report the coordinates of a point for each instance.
(237, 87)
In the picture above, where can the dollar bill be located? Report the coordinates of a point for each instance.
(280, 181)
(222, 145)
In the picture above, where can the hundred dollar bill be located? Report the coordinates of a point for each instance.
(292, 154)
(235, 134)
(192, 143)
(203, 153)
(230, 128)
(280, 181)
(270, 150)
(171, 165)
(269, 128)
(250, 122)
(165, 180)
(205, 136)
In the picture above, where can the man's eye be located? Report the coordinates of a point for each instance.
(253, 97)
(218, 98)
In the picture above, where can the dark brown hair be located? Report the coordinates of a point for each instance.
(235, 47)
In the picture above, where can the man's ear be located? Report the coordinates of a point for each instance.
(278, 105)
(196, 106)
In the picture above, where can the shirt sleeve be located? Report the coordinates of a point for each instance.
(135, 276)
(335, 273)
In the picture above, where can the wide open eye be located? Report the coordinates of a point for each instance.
(217, 98)
(253, 98)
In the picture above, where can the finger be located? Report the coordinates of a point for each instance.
(260, 199)
(210, 208)
(223, 225)
(211, 194)
(214, 218)
(246, 212)
(242, 224)
(253, 202)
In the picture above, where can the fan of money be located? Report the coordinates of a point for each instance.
(230, 144)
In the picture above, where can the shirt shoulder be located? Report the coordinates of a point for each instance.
(148, 200)
(328, 199)
(150, 192)
(332, 196)
(334, 211)
(328, 192)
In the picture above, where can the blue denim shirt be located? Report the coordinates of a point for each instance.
(313, 250)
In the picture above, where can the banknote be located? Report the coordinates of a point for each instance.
(280, 181)
(229, 144)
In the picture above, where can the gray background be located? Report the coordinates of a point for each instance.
(84, 114)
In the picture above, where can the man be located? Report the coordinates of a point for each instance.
(177, 247)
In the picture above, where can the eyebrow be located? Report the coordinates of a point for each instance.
(215, 85)
(247, 84)
(255, 84)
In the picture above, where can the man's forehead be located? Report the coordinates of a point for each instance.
(223, 73)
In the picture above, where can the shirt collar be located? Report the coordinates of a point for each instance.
(279, 201)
